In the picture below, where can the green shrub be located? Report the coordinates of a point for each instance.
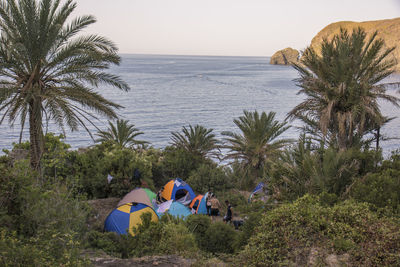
(176, 239)
(109, 242)
(47, 249)
(220, 238)
(251, 222)
(93, 166)
(198, 225)
(178, 162)
(287, 235)
(209, 176)
(382, 190)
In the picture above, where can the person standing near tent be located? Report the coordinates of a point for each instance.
(229, 214)
(208, 202)
(215, 206)
(158, 197)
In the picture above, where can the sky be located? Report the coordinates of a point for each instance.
(223, 27)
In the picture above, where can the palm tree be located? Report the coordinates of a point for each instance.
(257, 143)
(48, 70)
(122, 134)
(342, 86)
(196, 140)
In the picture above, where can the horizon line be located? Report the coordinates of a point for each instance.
(191, 55)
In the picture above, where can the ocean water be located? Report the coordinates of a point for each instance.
(168, 92)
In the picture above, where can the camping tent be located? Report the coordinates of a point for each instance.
(260, 189)
(177, 189)
(179, 210)
(122, 219)
(138, 195)
(199, 204)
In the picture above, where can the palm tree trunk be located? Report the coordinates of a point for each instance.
(378, 136)
(35, 133)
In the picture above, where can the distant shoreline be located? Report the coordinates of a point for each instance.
(187, 55)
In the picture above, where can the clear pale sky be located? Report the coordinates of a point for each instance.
(223, 27)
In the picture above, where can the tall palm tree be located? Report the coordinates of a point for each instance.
(122, 134)
(49, 71)
(342, 85)
(197, 140)
(257, 143)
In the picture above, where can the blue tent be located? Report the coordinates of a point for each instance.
(179, 210)
(260, 188)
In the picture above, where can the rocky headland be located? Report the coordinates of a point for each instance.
(285, 56)
(388, 30)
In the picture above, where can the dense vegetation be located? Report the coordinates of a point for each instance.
(331, 197)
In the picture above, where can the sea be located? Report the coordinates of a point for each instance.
(169, 92)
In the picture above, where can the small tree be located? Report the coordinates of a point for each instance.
(258, 141)
(122, 134)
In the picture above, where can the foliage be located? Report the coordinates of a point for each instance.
(220, 238)
(287, 234)
(342, 87)
(151, 238)
(177, 239)
(123, 134)
(51, 249)
(49, 70)
(381, 189)
(234, 197)
(251, 222)
(41, 223)
(198, 225)
(177, 162)
(196, 140)
(306, 169)
(256, 145)
(209, 176)
(92, 167)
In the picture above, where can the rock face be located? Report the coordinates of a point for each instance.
(285, 57)
(388, 30)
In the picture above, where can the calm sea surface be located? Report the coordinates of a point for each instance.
(168, 92)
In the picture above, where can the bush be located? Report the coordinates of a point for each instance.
(93, 166)
(198, 225)
(176, 239)
(209, 176)
(247, 230)
(220, 238)
(381, 190)
(288, 234)
(50, 249)
(178, 162)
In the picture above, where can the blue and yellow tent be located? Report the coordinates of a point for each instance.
(122, 219)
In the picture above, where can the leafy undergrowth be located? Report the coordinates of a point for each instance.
(290, 234)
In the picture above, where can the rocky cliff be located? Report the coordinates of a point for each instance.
(388, 30)
(285, 57)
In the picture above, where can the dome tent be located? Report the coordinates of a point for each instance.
(173, 208)
(138, 195)
(179, 210)
(199, 204)
(177, 189)
(124, 218)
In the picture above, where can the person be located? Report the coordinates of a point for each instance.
(208, 202)
(215, 206)
(158, 197)
(229, 213)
